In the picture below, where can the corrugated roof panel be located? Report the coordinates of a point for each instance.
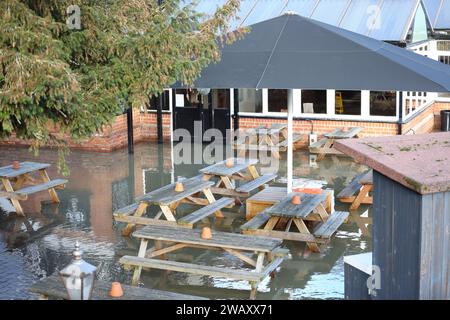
(394, 19)
(330, 11)
(265, 10)
(432, 7)
(443, 19)
(360, 16)
(301, 7)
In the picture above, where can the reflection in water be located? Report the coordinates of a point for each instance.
(41, 243)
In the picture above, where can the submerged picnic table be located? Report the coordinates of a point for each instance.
(167, 199)
(357, 192)
(19, 183)
(168, 239)
(284, 214)
(53, 287)
(226, 177)
(262, 138)
(325, 145)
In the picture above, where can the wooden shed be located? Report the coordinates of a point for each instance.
(411, 213)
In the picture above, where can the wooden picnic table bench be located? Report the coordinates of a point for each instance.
(268, 251)
(53, 287)
(357, 192)
(284, 214)
(273, 139)
(226, 178)
(19, 183)
(167, 199)
(325, 146)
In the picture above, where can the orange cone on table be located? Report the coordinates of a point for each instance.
(179, 187)
(16, 165)
(229, 163)
(296, 199)
(116, 290)
(206, 233)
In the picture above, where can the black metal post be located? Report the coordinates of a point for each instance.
(159, 122)
(236, 110)
(130, 130)
(400, 112)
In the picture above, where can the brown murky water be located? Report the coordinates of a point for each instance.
(40, 244)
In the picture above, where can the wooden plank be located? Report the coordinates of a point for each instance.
(304, 230)
(25, 167)
(54, 288)
(219, 239)
(339, 134)
(205, 211)
(147, 221)
(159, 252)
(256, 222)
(167, 194)
(41, 187)
(293, 236)
(256, 183)
(285, 208)
(13, 195)
(220, 169)
(362, 196)
(367, 178)
(8, 187)
(128, 210)
(351, 190)
(335, 220)
(284, 143)
(263, 200)
(318, 144)
(191, 268)
(241, 256)
(229, 192)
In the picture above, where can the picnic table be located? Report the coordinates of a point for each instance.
(53, 287)
(284, 215)
(18, 184)
(325, 145)
(167, 199)
(262, 138)
(357, 192)
(268, 251)
(226, 177)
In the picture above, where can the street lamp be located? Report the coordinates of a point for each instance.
(78, 277)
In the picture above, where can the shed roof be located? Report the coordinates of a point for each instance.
(387, 20)
(419, 162)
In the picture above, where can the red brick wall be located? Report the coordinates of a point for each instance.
(428, 120)
(320, 127)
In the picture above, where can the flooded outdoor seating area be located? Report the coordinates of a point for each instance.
(108, 196)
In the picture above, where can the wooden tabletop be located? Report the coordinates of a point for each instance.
(285, 208)
(25, 167)
(53, 287)
(220, 169)
(219, 239)
(339, 134)
(167, 194)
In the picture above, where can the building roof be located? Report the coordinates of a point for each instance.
(291, 51)
(387, 20)
(419, 162)
(439, 13)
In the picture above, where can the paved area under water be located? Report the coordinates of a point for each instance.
(41, 244)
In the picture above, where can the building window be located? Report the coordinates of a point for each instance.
(445, 59)
(154, 101)
(314, 101)
(250, 100)
(220, 98)
(383, 103)
(443, 45)
(187, 98)
(277, 100)
(348, 102)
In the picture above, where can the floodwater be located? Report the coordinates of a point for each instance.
(99, 183)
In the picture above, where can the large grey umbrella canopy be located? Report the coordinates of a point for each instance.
(291, 51)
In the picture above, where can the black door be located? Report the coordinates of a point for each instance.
(210, 111)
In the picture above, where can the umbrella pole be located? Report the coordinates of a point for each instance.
(290, 156)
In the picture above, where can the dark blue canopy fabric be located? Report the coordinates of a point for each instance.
(293, 52)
